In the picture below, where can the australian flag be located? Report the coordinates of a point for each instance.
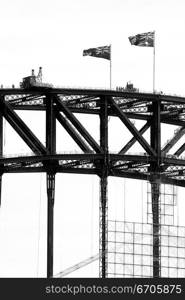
(143, 39)
(101, 52)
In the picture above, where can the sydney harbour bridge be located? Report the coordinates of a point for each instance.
(154, 165)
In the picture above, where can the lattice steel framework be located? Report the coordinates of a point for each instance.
(130, 250)
(167, 204)
(154, 164)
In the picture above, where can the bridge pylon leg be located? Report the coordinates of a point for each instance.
(104, 188)
(50, 178)
(155, 194)
(50, 213)
(103, 226)
(155, 186)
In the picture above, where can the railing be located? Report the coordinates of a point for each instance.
(104, 88)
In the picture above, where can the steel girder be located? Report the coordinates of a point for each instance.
(124, 105)
(153, 164)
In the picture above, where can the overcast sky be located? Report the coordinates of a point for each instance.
(53, 34)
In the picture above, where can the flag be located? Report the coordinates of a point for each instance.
(101, 52)
(143, 39)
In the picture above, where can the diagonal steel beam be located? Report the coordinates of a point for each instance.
(22, 129)
(173, 140)
(132, 128)
(76, 137)
(180, 150)
(133, 140)
(78, 125)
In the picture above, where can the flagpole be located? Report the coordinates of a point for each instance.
(110, 67)
(154, 65)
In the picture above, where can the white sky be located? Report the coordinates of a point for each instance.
(53, 34)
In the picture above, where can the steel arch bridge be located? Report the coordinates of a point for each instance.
(61, 104)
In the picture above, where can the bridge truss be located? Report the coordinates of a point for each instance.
(154, 164)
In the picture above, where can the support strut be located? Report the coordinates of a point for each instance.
(50, 196)
(103, 187)
(50, 177)
(155, 192)
(155, 187)
(103, 226)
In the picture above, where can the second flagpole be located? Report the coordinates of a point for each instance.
(154, 66)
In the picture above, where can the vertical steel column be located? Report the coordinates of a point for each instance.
(103, 186)
(1, 149)
(50, 213)
(51, 146)
(155, 187)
